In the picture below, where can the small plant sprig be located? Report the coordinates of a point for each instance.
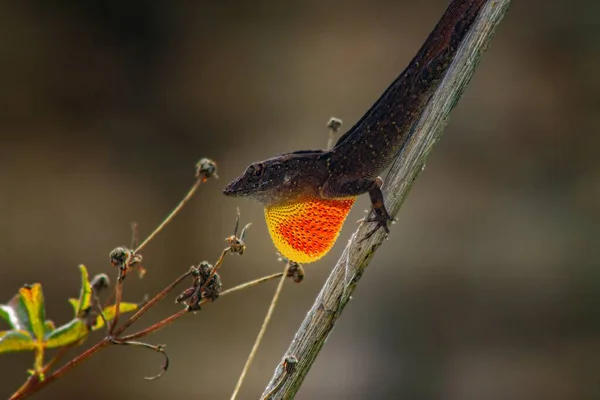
(31, 331)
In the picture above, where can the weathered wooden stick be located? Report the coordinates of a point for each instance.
(342, 281)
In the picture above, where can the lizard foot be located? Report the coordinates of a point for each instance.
(381, 217)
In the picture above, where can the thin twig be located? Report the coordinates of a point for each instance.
(31, 389)
(251, 283)
(151, 303)
(171, 215)
(337, 290)
(261, 333)
(156, 231)
(181, 313)
(118, 297)
(158, 348)
(57, 357)
(157, 326)
(33, 379)
(215, 268)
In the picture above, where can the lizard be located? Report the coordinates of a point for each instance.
(308, 194)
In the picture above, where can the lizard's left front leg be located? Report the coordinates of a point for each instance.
(357, 187)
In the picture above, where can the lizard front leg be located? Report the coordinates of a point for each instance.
(380, 215)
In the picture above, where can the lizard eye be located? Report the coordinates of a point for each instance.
(258, 171)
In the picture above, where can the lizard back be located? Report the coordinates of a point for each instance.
(373, 142)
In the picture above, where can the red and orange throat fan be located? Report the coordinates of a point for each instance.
(305, 231)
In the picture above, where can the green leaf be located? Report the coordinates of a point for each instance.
(49, 326)
(11, 315)
(69, 333)
(109, 313)
(85, 293)
(26, 311)
(25, 314)
(5, 314)
(75, 304)
(16, 341)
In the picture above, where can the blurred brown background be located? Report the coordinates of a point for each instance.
(488, 287)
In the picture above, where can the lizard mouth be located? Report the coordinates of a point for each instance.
(235, 189)
(230, 190)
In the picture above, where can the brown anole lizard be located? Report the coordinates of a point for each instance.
(308, 194)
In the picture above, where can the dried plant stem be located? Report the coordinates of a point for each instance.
(216, 267)
(35, 378)
(37, 385)
(151, 303)
(118, 297)
(157, 326)
(57, 357)
(179, 314)
(171, 215)
(252, 283)
(261, 333)
(156, 231)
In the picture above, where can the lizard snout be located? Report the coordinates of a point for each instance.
(237, 188)
(230, 189)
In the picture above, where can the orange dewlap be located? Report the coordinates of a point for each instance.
(305, 231)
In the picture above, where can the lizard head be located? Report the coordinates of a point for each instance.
(303, 225)
(280, 179)
(259, 178)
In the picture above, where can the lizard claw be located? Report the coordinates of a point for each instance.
(381, 217)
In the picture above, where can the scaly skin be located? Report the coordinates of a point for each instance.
(308, 194)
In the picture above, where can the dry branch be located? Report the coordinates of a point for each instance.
(321, 319)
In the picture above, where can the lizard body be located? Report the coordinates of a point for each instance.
(308, 194)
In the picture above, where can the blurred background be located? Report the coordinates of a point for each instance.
(489, 285)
